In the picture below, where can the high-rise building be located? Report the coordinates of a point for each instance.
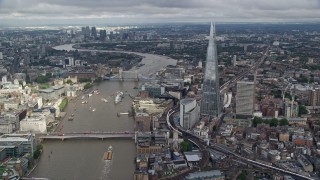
(103, 35)
(94, 32)
(210, 103)
(314, 97)
(111, 36)
(189, 113)
(1, 56)
(245, 98)
(234, 60)
(69, 61)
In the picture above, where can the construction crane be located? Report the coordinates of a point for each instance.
(285, 90)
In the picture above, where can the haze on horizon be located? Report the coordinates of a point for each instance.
(46, 12)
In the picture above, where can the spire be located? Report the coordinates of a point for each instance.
(213, 29)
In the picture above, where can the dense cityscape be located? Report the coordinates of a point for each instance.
(240, 101)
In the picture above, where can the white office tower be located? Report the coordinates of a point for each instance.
(245, 98)
(39, 101)
(234, 61)
(189, 113)
(4, 79)
(200, 64)
(71, 61)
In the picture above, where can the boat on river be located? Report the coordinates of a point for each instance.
(118, 97)
(71, 117)
(104, 100)
(108, 155)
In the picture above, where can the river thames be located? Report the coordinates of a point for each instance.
(83, 159)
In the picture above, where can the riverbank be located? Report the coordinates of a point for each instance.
(151, 63)
(66, 165)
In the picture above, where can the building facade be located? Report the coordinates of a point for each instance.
(189, 113)
(245, 98)
(210, 103)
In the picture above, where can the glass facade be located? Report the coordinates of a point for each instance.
(210, 103)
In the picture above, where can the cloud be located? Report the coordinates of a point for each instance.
(161, 10)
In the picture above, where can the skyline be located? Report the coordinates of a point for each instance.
(46, 12)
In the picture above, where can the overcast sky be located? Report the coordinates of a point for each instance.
(148, 11)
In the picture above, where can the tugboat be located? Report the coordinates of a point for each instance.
(108, 155)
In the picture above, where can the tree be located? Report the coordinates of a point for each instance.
(185, 146)
(38, 151)
(242, 176)
(302, 110)
(274, 122)
(49, 75)
(284, 122)
(42, 79)
(82, 80)
(256, 121)
(88, 86)
(69, 81)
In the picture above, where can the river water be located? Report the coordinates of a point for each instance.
(152, 62)
(83, 159)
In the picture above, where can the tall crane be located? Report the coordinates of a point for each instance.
(285, 90)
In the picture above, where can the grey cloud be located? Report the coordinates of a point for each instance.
(162, 10)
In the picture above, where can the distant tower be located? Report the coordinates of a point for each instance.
(1, 56)
(111, 36)
(210, 102)
(94, 32)
(120, 74)
(136, 75)
(234, 61)
(103, 35)
(4, 79)
(200, 64)
(71, 61)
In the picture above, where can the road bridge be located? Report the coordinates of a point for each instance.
(89, 135)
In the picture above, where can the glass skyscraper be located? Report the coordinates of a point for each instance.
(210, 102)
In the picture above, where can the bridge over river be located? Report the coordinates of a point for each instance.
(88, 135)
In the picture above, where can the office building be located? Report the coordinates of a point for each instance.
(94, 32)
(234, 60)
(314, 97)
(18, 144)
(245, 98)
(210, 103)
(189, 113)
(103, 35)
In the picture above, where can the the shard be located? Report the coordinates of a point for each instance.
(210, 102)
